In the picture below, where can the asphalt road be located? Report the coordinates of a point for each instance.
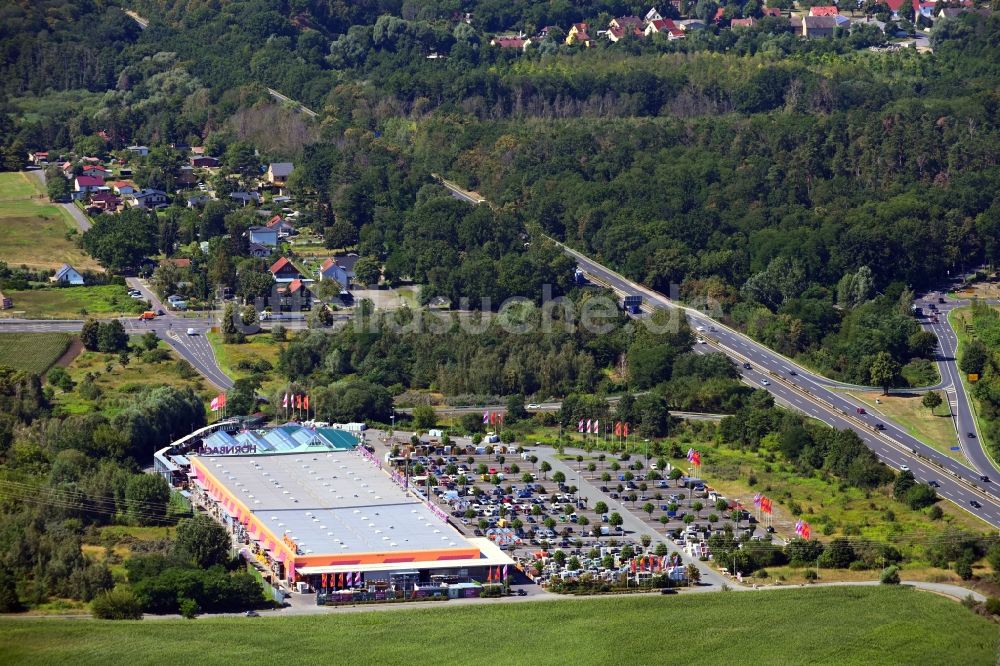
(812, 395)
(553, 406)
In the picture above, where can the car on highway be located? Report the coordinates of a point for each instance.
(792, 373)
(934, 483)
(879, 426)
(984, 478)
(251, 613)
(861, 410)
(972, 435)
(904, 468)
(700, 329)
(764, 382)
(533, 405)
(192, 331)
(941, 300)
(975, 504)
(700, 340)
(746, 366)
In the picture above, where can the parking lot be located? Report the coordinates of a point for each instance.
(553, 529)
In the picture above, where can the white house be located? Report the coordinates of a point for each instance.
(67, 275)
(147, 198)
(140, 151)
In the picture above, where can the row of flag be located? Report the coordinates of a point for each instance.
(492, 418)
(295, 401)
(496, 576)
(593, 426)
(694, 457)
(763, 503)
(341, 580)
(218, 402)
(802, 529)
(654, 563)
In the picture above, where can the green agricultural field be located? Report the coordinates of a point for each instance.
(73, 302)
(33, 352)
(820, 625)
(35, 231)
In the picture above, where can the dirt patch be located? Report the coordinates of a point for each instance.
(75, 349)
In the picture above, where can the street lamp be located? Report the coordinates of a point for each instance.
(392, 428)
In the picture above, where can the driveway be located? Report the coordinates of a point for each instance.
(81, 220)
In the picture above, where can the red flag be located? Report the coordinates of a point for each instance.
(323, 578)
(625, 430)
(805, 531)
(298, 401)
(618, 428)
(305, 402)
(633, 565)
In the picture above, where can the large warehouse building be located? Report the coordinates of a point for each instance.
(315, 509)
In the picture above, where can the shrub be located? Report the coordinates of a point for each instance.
(117, 604)
(810, 575)
(993, 606)
(890, 576)
(188, 608)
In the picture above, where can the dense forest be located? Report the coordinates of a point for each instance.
(798, 189)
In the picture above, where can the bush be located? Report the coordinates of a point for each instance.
(993, 606)
(890, 576)
(188, 608)
(935, 513)
(810, 575)
(117, 604)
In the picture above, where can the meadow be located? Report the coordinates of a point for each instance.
(32, 352)
(109, 300)
(844, 625)
(37, 234)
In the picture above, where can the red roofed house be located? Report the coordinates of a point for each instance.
(664, 26)
(771, 11)
(719, 14)
(284, 271)
(281, 225)
(743, 23)
(204, 162)
(105, 201)
(827, 10)
(124, 187)
(295, 296)
(95, 170)
(179, 263)
(511, 42)
(84, 185)
(578, 35)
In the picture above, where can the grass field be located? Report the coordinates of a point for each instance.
(73, 302)
(935, 429)
(820, 625)
(117, 385)
(33, 352)
(959, 318)
(257, 347)
(831, 508)
(35, 231)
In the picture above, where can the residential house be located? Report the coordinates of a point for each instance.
(543, 34)
(824, 10)
(84, 185)
(284, 271)
(148, 198)
(332, 270)
(197, 150)
(664, 26)
(625, 22)
(246, 198)
(139, 151)
(295, 296)
(278, 173)
(197, 200)
(124, 187)
(925, 9)
(39, 158)
(511, 42)
(67, 168)
(815, 27)
(180, 262)
(96, 170)
(743, 23)
(204, 162)
(652, 15)
(578, 34)
(105, 201)
(283, 227)
(263, 236)
(795, 22)
(186, 176)
(259, 251)
(690, 25)
(772, 11)
(67, 275)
